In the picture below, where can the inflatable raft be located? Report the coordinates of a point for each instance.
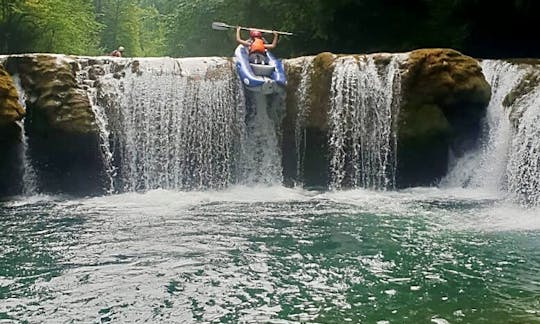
(265, 78)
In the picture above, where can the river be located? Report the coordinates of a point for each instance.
(270, 254)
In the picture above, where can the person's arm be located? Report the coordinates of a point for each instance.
(274, 42)
(239, 40)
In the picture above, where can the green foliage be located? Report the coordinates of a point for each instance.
(182, 27)
(48, 26)
(65, 26)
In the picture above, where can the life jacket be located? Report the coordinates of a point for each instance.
(257, 46)
(116, 53)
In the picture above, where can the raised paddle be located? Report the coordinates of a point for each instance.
(224, 26)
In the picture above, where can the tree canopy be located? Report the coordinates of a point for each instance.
(178, 28)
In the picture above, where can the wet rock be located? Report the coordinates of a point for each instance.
(528, 83)
(10, 108)
(10, 160)
(63, 136)
(445, 96)
(10, 136)
(49, 81)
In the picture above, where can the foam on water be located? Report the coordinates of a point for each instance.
(473, 209)
(361, 120)
(269, 254)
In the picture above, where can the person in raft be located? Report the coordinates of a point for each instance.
(256, 45)
(117, 52)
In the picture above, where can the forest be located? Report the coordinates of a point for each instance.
(180, 28)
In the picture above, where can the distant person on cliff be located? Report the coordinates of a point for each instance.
(117, 52)
(256, 45)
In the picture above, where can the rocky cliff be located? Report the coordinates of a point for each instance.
(441, 96)
(11, 111)
(60, 123)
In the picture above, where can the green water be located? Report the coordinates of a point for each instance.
(270, 255)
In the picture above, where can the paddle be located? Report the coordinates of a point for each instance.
(224, 26)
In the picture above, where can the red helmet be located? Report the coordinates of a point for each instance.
(255, 34)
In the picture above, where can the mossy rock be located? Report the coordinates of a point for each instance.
(445, 96)
(445, 77)
(10, 108)
(527, 84)
(424, 121)
(58, 104)
(449, 80)
(319, 90)
(317, 98)
(524, 61)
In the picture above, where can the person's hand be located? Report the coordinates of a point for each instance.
(237, 28)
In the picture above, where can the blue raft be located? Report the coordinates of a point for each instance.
(263, 78)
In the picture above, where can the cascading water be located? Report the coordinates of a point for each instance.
(487, 168)
(261, 160)
(508, 160)
(29, 180)
(104, 133)
(174, 124)
(362, 116)
(302, 109)
(524, 157)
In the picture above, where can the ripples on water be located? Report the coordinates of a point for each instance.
(272, 255)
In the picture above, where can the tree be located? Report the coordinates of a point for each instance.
(62, 26)
(14, 23)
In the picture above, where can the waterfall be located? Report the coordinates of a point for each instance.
(173, 123)
(29, 176)
(524, 156)
(486, 167)
(302, 113)
(509, 157)
(261, 158)
(102, 124)
(362, 116)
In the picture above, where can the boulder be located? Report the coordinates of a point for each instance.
(529, 82)
(56, 101)
(63, 136)
(10, 136)
(10, 108)
(445, 96)
(316, 98)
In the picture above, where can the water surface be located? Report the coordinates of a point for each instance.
(276, 255)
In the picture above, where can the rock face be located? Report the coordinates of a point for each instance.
(442, 98)
(57, 103)
(529, 82)
(10, 109)
(445, 95)
(313, 110)
(61, 126)
(10, 135)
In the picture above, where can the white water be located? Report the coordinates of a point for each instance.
(173, 123)
(261, 160)
(183, 124)
(364, 108)
(29, 178)
(524, 160)
(508, 158)
(104, 133)
(486, 168)
(302, 113)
